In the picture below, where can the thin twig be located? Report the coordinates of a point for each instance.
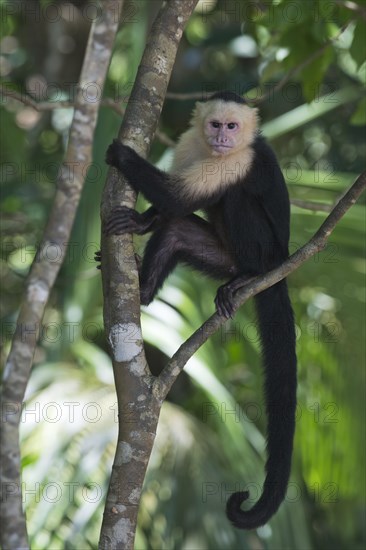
(197, 96)
(164, 138)
(39, 106)
(312, 205)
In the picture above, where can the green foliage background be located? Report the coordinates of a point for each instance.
(211, 431)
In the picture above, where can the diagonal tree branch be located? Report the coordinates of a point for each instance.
(43, 273)
(174, 367)
(312, 205)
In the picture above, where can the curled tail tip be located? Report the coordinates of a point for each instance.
(233, 507)
(235, 500)
(250, 519)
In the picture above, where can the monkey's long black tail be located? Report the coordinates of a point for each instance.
(277, 330)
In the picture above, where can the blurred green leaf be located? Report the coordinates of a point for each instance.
(359, 116)
(358, 46)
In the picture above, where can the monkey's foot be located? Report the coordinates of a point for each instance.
(98, 258)
(146, 296)
(224, 301)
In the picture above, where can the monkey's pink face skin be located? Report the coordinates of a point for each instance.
(221, 136)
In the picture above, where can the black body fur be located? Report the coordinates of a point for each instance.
(247, 235)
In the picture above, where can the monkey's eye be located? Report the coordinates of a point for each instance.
(232, 125)
(215, 124)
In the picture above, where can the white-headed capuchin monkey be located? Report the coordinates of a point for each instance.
(224, 167)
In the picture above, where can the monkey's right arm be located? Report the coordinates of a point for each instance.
(160, 188)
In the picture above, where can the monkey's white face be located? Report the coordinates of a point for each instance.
(221, 135)
(226, 127)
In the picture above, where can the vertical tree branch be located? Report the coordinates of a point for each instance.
(43, 273)
(138, 407)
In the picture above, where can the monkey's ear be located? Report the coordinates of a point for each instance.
(198, 106)
(256, 116)
(197, 112)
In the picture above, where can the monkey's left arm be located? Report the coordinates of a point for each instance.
(160, 188)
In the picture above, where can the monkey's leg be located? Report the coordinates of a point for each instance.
(191, 240)
(126, 220)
